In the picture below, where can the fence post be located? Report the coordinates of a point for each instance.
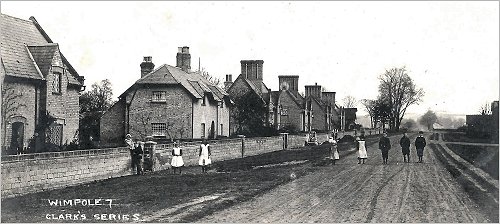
(242, 137)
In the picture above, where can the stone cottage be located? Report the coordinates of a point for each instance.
(40, 89)
(169, 102)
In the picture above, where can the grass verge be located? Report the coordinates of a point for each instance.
(483, 157)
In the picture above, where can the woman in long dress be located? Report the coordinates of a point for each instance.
(362, 154)
(204, 154)
(334, 153)
(177, 161)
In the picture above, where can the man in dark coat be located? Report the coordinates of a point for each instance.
(419, 145)
(384, 145)
(405, 147)
(137, 157)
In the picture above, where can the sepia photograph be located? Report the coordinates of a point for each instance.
(249, 111)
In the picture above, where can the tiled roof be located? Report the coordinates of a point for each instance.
(193, 82)
(19, 39)
(43, 56)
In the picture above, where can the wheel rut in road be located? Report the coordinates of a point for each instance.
(372, 192)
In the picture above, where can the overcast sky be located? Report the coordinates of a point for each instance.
(451, 49)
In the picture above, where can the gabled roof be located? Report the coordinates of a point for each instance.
(22, 38)
(275, 95)
(193, 82)
(259, 88)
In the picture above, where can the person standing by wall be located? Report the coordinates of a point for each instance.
(204, 154)
(420, 145)
(362, 154)
(177, 161)
(137, 157)
(384, 145)
(405, 147)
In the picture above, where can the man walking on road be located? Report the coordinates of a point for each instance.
(419, 145)
(384, 145)
(405, 147)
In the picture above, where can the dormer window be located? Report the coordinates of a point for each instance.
(56, 82)
(203, 103)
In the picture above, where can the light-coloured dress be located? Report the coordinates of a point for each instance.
(362, 149)
(334, 153)
(204, 157)
(177, 158)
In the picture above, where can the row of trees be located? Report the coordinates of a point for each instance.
(396, 93)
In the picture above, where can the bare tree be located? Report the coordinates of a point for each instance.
(370, 108)
(485, 109)
(398, 90)
(350, 102)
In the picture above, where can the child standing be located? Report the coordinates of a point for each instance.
(334, 153)
(362, 154)
(177, 161)
(204, 154)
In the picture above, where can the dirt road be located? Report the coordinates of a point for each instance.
(348, 192)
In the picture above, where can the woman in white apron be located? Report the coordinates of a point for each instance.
(204, 154)
(177, 161)
(334, 153)
(362, 155)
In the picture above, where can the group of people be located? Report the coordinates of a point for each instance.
(384, 145)
(137, 151)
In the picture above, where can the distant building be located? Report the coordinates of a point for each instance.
(287, 105)
(170, 103)
(322, 114)
(484, 125)
(40, 90)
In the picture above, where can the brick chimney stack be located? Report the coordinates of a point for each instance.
(329, 97)
(184, 59)
(147, 66)
(252, 69)
(290, 81)
(228, 82)
(314, 91)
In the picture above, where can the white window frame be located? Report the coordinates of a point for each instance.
(159, 129)
(159, 96)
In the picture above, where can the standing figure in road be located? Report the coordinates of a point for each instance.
(420, 145)
(177, 161)
(204, 154)
(384, 145)
(362, 154)
(334, 153)
(137, 159)
(130, 143)
(405, 147)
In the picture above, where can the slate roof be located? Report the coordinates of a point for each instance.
(22, 39)
(193, 82)
(275, 95)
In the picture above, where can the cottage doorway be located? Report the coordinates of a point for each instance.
(17, 139)
(212, 130)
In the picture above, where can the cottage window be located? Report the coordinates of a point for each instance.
(221, 129)
(202, 130)
(204, 101)
(159, 96)
(159, 129)
(284, 111)
(222, 104)
(56, 82)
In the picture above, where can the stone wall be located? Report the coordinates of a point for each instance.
(22, 174)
